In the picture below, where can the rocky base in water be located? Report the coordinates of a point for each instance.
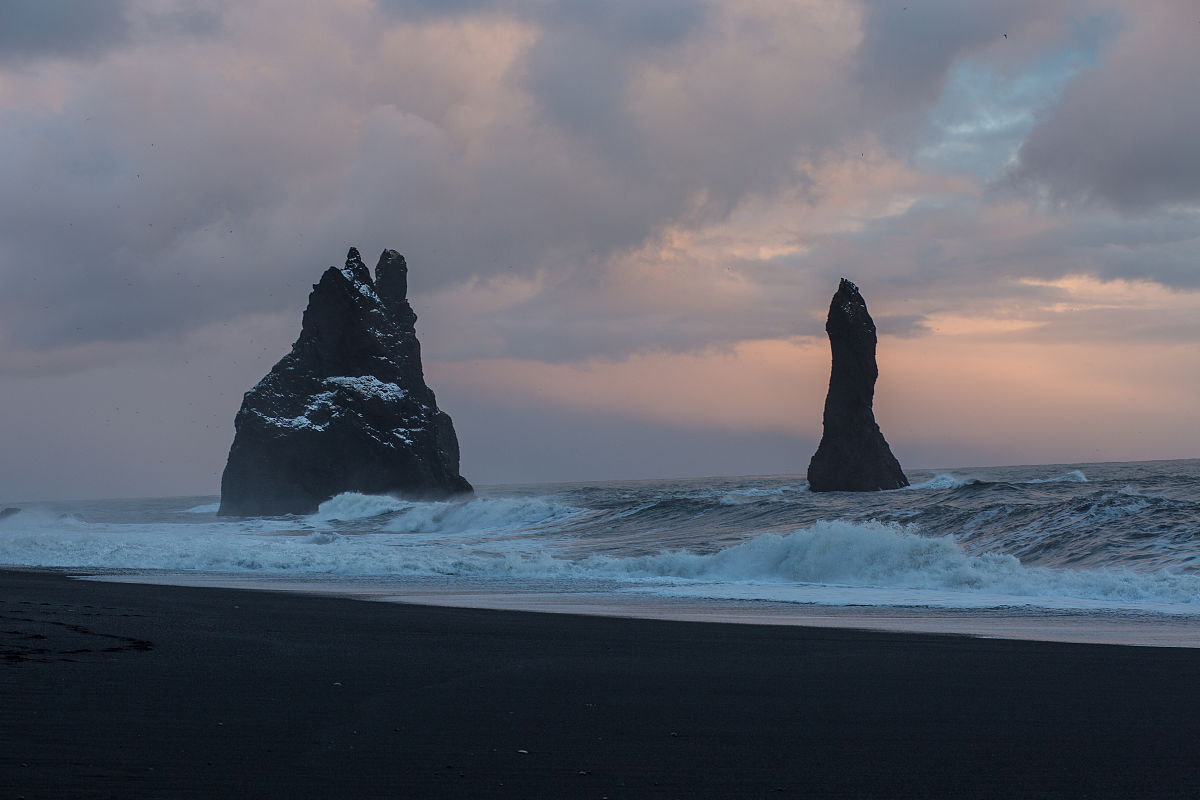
(853, 455)
(347, 409)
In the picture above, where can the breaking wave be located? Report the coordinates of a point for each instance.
(1074, 476)
(1119, 537)
(945, 481)
(475, 515)
(751, 495)
(352, 506)
(890, 556)
(808, 563)
(482, 515)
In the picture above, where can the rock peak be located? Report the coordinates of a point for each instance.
(355, 269)
(347, 410)
(852, 313)
(391, 281)
(853, 456)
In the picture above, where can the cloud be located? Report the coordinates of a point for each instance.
(659, 188)
(237, 165)
(73, 29)
(909, 50)
(766, 270)
(422, 10)
(599, 198)
(541, 442)
(1124, 133)
(626, 23)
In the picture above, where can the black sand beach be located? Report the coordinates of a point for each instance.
(122, 690)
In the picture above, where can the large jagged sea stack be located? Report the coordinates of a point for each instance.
(853, 455)
(347, 409)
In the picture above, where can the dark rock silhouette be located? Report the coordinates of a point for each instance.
(853, 455)
(8, 512)
(347, 409)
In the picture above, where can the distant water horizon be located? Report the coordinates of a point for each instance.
(1087, 541)
(500, 485)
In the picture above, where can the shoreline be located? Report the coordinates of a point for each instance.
(139, 690)
(1035, 624)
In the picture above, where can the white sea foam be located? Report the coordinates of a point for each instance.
(1074, 476)
(944, 480)
(482, 515)
(530, 538)
(876, 556)
(476, 515)
(206, 508)
(777, 491)
(752, 494)
(41, 519)
(352, 506)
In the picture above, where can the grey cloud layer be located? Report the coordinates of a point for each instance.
(1124, 134)
(60, 28)
(160, 169)
(181, 182)
(570, 181)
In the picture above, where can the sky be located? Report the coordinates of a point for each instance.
(624, 222)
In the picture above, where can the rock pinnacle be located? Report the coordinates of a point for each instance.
(853, 455)
(347, 410)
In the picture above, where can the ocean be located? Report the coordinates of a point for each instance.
(1105, 552)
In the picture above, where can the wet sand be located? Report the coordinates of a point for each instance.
(1095, 626)
(126, 690)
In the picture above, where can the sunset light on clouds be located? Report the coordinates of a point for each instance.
(624, 223)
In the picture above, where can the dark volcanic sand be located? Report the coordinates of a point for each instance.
(121, 690)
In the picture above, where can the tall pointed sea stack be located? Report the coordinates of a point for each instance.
(347, 409)
(853, 455)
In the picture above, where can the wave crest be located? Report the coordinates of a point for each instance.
(349, 506)
(1074, 476)
(878, 555)
(944, 480)
(481, 514)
